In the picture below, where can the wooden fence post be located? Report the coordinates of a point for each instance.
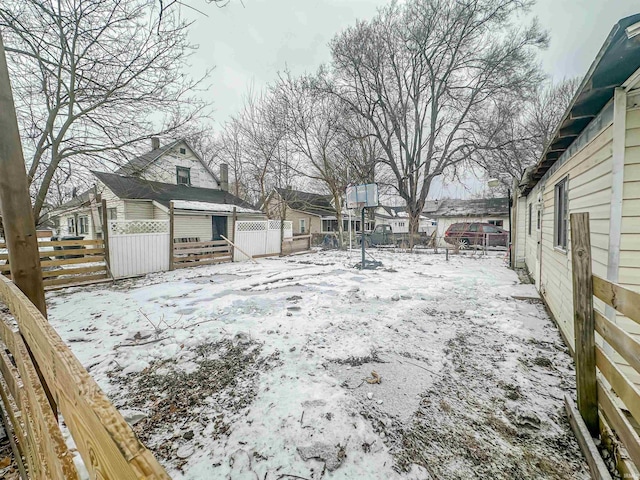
(105, 235)
(17, 215)
(171, 228)
(15, 206)
(584, 322)
(234, 219)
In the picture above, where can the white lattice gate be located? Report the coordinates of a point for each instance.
(259, 238)
(137, 247)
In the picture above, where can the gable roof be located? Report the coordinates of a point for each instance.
(313, 203)
(395, 212)
(139, 164)
(617, 60)
(135, 188)
(484, 207)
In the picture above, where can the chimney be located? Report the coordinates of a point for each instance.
(155, 143)
(224, 177)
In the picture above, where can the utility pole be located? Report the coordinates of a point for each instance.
(17, 215)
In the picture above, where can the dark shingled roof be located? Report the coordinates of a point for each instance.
(134, 188)
(312, 203)
(485, 207)
(618, 58)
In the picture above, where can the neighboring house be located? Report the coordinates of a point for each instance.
(203, 207)
(398, 219)
(486, 210)
(311, 213)
(592, 164)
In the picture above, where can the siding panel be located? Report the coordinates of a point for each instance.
(191, 226)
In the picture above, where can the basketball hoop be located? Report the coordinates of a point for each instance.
(362, 196)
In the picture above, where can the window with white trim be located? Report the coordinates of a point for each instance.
(71, 226)
(560, 214)
(83, 225)
(303, 225)
(183, 176)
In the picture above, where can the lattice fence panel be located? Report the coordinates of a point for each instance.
(251, 226)
(137, 227)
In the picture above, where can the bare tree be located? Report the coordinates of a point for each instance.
(422, 73)
(230, 149)
(92, 78)
(313, 121)
(516, 134)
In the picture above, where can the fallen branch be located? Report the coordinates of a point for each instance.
(140, 343)
(419, 366)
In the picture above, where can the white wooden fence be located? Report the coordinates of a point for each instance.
(137, 247)
(259, 238)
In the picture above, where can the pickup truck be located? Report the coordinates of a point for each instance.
(383, 235)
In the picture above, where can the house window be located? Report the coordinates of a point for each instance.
(71, 226)
(560, 214)
(497, 223)
(112, 213)
(183, 151)
(183, 176)
(83, 224)
(303, 225)
(530, 217)
(538, 219)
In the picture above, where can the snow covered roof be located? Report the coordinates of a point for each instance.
(213, 207)
(484, 207)
(394, 212)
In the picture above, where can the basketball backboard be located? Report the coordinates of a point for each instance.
(359, 196)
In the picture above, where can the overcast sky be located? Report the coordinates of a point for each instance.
(250, 41)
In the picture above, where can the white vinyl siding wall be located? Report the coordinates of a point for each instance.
(589, 190)
(164, 169)
(159, 214)
(138, 210)
(190, 226)
(521, 213)
(531, 241)
(590, 180)
(629, 270)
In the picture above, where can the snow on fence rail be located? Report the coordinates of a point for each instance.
(613, 387)
(106, 443)
(137, 247)
(67, 262)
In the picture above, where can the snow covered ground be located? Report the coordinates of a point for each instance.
(305, 367)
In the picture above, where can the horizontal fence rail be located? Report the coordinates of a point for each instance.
(66, 262)
(193, 254)
(106, 443)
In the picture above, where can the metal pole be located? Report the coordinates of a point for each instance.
(510, 229)
(362, 237)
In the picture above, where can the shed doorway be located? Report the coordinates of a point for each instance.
(219, 228)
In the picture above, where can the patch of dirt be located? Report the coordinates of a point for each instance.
(180, 407)
(8, 466)
(481, 419)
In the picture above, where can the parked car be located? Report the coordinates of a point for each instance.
(464, 235)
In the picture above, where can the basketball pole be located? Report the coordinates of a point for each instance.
(363, 238)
